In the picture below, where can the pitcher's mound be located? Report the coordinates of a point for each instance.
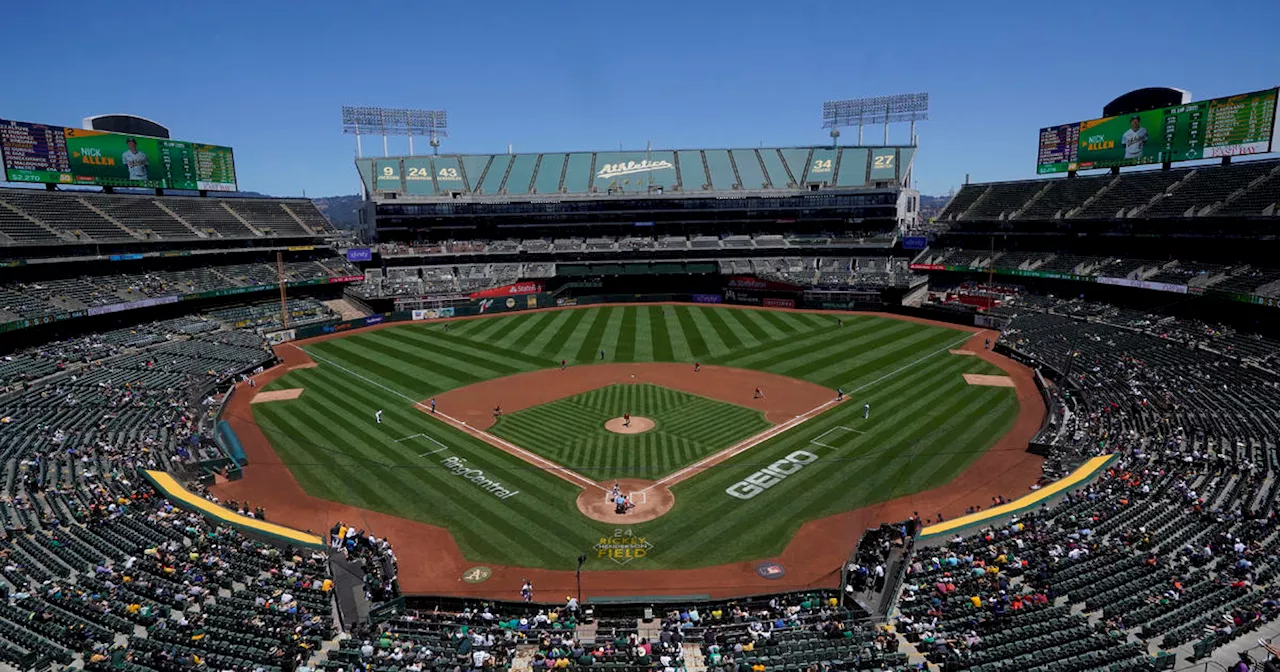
(638, 424)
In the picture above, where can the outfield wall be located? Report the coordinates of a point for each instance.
(766, 295)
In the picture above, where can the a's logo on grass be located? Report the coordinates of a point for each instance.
(477, 575)
(623, 547)
(770, 570)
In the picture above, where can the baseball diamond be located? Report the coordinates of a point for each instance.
(927, 427)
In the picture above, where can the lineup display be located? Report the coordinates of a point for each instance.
(59, 155)
(1232, 126)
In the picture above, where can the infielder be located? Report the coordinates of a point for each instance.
(378, 416)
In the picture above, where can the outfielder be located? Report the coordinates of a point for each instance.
(866, 411)
(378, 416)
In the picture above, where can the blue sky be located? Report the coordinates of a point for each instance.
(268, 77)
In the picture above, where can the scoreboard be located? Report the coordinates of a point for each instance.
(1231, 126)
(60, 155)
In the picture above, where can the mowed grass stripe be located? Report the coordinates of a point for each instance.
(538, 339)
(749, 329)
(518, 336)
(612, 331)
(626, 336)
(562, 344)
(706, 330)
(431, 342)
(658, 335)
(643, 350)
(689, 329)
(681, 351)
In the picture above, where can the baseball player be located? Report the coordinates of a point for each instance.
(626, 419)
(697, 366)
(378, 416)
(602, 354)
(497, 411)
(433, 404)
(866, 411)
(759, 394)
(839, 394)
(563, 364)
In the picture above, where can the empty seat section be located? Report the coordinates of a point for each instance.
(520, 177)
(142, 215)
(1063, 196)
(208, 215)
(749, 170)
(492, 183)
(419, 176)
(773, 167)
(693, 174)
(549, 169)
(448, 174)
(310, 215)
(267, 216)
(23, 230)
(822, 166)
(722, 177)
(577, 177)
(65, 212)
(473, 166)
(853, 167)
(797, 159)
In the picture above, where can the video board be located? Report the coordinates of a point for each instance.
(60, 155)
(1231, 126)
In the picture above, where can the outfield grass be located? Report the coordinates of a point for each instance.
(571, 433)
(926, 425)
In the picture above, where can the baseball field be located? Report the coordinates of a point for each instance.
(741, 452)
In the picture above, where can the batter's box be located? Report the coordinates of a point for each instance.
(835, 435)
(637, 497)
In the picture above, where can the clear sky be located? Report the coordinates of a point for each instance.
(268, 77)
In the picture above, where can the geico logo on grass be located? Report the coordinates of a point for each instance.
(771, 475)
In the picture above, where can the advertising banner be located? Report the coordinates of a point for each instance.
(778, 303)
(278, 337)
(928, 267)
(1143, 284)
(915, 242)
(749, 282)
(519, 288)
(347, 278)
(707, 298)
(360, 254)
(432, 313)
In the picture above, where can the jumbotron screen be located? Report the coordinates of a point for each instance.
(60, 155)
(1232, 126)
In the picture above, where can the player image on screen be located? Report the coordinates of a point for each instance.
(136, 161)
(1135, 138)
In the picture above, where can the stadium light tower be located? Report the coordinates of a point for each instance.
(388, 121)
(912, 107)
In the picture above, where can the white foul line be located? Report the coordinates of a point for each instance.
(458, 424)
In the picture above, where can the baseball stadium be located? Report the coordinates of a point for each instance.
(745, 409)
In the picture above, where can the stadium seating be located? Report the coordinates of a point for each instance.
(1242, 188)
(29, 216)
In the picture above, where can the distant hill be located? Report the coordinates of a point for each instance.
(930, 206)
(343, 211)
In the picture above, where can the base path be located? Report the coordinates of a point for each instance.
(785, 397)
(812, 558)
(637, 425)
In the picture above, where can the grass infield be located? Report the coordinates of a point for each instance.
(571, 433)
(926, 426)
